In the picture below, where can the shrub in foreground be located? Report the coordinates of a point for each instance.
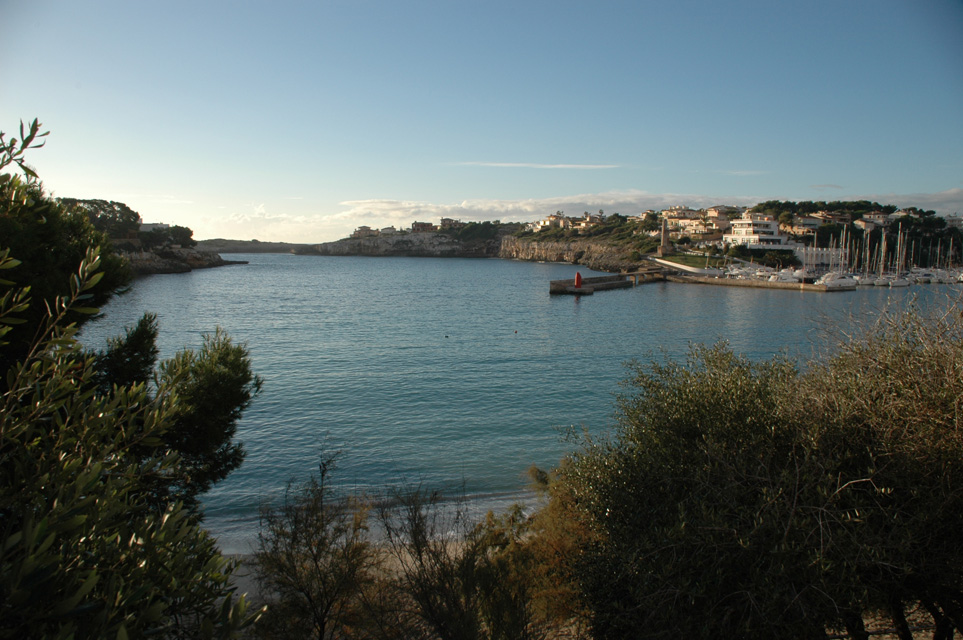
(84, 549)
(741, 499)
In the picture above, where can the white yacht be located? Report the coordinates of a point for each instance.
(837, 281)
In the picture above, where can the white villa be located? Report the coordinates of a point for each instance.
(587, 221)
(686, 220)
(552, 221)
(757, 231)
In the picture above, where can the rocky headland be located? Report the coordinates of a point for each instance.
(596, 255)
(172, 260)
(222, 245)
(420, 245)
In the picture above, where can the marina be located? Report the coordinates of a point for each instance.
(752, 276)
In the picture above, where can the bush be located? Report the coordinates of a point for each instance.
(84, 551)
(314, 562)
(741, 499)
(90, 545)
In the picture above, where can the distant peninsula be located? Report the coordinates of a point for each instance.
(485, 240)
(222, 245)
(782, 231)
(148, 247)
(774, 233)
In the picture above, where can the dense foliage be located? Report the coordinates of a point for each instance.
(102, 460)
(115, 219)
(474, 232)
(741, 499)
(119, 222)
(50, 241)
(856, 208)
(173, 235)
(85, 550)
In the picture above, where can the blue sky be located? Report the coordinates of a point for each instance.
(299, 121)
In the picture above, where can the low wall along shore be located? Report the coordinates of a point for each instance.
(758, 284)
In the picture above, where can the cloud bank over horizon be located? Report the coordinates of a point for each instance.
(266, 225)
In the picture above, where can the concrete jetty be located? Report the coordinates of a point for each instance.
(601, 283)
(589, 285)
(748, 282)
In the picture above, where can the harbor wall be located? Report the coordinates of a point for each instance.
(738, 282)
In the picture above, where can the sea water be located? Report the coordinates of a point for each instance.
(450, 374)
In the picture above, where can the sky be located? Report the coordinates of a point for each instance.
(300, 121)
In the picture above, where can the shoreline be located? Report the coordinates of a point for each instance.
(240, 536)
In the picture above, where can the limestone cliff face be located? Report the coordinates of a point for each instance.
(170, 260)
(595, 255)
(434, 245)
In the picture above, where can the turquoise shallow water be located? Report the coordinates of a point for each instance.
(455, 374)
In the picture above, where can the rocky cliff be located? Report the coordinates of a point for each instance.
(171, 260)
(593, 254)
(422, 245)
(599, 256)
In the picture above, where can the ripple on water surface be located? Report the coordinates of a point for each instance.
(445, 372)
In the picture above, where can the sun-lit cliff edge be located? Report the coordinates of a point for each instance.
(595, 254)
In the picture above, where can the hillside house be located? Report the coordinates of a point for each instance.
(554, 221)
(586, 222)
(757, 231)
(450, 223)
(833, 217)
(804, 225)
(364, 232)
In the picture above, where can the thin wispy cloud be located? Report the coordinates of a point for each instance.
(257, 220)
(742, 172)
(825, 186)
(259, 213)
(536, 165)
(403, 213)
